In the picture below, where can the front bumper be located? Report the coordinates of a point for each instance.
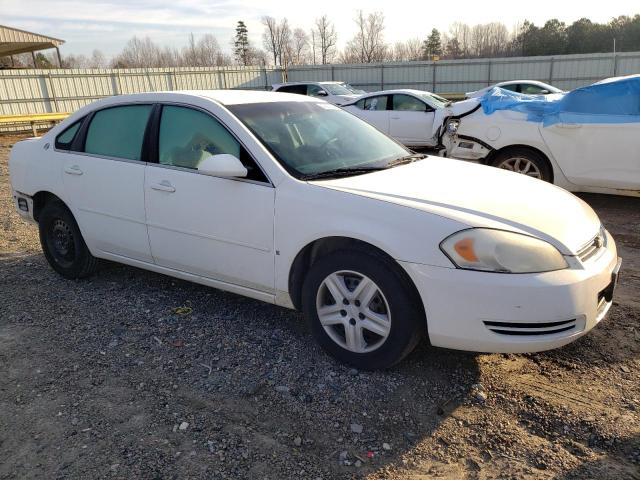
(509, 313)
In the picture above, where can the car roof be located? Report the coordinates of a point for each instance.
(515, 82)
(224, 97)
(408, 91)
(278, 85)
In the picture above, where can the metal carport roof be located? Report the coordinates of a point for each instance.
(14, 41)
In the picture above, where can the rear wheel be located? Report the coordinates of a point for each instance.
(361, 309)
(62, 242)
(524, 161)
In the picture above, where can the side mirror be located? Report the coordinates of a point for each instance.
(222, 165)
(320, 93)
(544, 92)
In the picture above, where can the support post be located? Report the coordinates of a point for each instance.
(33, 57)
(59, 57)
(13, 61)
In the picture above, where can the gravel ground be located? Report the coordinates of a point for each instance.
(104, 378)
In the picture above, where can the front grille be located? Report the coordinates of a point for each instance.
(592, 247)
(547, 328)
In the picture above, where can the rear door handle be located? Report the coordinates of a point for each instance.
(73, 170)
(163, 186)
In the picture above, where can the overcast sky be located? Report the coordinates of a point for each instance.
(107, 24)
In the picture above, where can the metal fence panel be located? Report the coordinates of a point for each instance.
(43, 91)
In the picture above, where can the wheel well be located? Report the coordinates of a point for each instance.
(494, 153)
(40, 199)
(321, 247)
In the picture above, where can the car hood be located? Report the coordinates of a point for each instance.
(481, 196)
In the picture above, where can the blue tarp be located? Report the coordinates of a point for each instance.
(615, 100)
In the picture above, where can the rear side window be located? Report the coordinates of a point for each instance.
(376, 103)
(118, 132)
(65, 139)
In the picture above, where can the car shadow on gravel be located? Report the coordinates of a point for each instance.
(131, 373)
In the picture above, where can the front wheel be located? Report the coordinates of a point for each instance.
(362, 310)
(524, 161)
(62, 242)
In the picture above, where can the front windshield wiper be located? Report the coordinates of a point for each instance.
(406, 159)
(340, 172)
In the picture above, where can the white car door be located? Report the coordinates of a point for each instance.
(219, 228)
(373, 110)
(411, 120)
(104, 182)
(596, 154)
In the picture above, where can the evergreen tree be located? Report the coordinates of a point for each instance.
(433, 44)
(241, 47)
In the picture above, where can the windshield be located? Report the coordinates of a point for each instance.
(434, 100)
(310, 138)
(339, 88)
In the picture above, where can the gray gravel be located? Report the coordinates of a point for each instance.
(101, 378)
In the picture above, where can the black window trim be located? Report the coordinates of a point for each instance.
(78, 145)
(154, 139)
(57, 146)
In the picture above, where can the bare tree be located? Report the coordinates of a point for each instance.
(299, 47)
(408, 51)
(277, 39)
(324, 39)
(139, 52)
(368, 44)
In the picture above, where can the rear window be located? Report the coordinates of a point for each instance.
(118, 132)
(299, 89)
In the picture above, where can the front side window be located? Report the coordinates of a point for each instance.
(314, 90)
(376, 103)
(408, 103)
(310, 138)
(118, 131)
(65, 139)
(188, 136)
(514, 87)
(530, 89)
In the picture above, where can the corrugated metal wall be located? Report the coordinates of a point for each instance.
(41, 91)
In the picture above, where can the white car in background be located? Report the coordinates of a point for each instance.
(337, 93)
(528, 87)
(293, 201)
(584, 140)
(407, 115)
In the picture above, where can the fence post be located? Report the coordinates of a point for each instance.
(489, 73)
(382, 76)
(615, 64)
(53, 93)
(551, 71)
(175, 80)
(433, 79)
(333, 73)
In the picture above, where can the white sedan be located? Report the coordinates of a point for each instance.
(528, 87)
(291, 200)
(584, 140)
(407, 115)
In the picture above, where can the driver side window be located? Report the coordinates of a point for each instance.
(188, 136)
(314, 90)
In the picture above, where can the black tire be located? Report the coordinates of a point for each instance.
(408, 324)
(62, 242)
(536, 158)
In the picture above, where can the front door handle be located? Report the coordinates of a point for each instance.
(163, 186)
(395, 118)
(73, 170)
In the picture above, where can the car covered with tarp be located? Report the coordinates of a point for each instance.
(587, 139)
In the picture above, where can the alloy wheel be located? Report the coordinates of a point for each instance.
(353, 311)
(521, 165)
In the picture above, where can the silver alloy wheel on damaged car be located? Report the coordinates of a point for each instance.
(353, 311)
(521, 165)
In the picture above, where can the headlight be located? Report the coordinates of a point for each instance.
(452, 126)
(501, 251)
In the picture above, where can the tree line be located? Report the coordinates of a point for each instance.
(284, 45)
